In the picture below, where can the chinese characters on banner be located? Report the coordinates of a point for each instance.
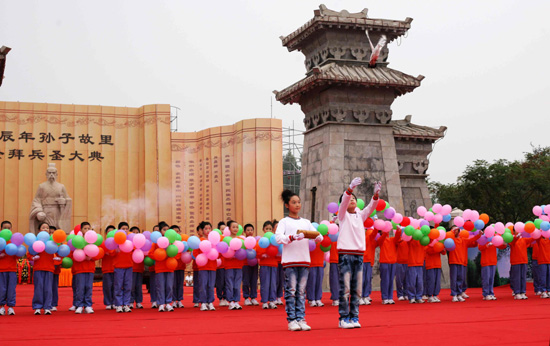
(54, 155)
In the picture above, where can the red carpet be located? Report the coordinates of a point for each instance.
(474, 322)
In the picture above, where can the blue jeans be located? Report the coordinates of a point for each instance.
(367, 279)
(233, 280)
(8, 283)
(334, 280)
(314, 288)
(488, 280)
(42, 298)
(268, 284)
(123, 286)
(401, 279)
(207, 281)
(250, 281)
(165, 285)
(179, 276)
(295, 293)
(137, 287)
(109, 289)
(536, 276)
(351, 284)
(196, 285)
(544, 277)
(280, 280)
(433, 282)
(84, 285)
(220, 284)
(387, 274)
(415, 282)
(153, 286)
(456, 273)
(55, 290)
(518, 275)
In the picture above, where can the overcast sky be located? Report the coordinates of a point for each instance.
(485, 62)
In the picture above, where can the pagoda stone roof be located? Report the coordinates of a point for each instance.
(350, 74)
(405, 129)
(325, 18)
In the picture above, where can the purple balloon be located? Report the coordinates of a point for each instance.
(377, 236)
(147, 235)
(147, 246)
(424, 222)
(482, 240)
(312, 245)
(389, 213)
(17, 239)
(70, 243)
(222, 247)
(252, 262)
(240, 254)
(130, 236)
(525, 235)
(332, 207)
(110, 244)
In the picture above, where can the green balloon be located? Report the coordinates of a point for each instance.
(441, 228)
(171, 235)
(79, 242)
(148, 261)
(178, 237)
(325, 249)
(6, 234)
(241, 230)
(507, 230)
(69, 237)
(171, 250)
(99, 240)
(217, 230)
(425, 230)
(417, 234)
(425, 240)
(360, 204)
(537, 223)
(409, 230)
(394, 225)
(66, 262)
(111, 234)
(507, 237)
(387, 205)
(373, 213)
(227, 240)
(268, 235)
(323, 229)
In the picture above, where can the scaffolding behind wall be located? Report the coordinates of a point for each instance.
(293, 146)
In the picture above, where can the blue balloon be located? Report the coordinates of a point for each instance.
(29, 239)
(333, 237)
(479, 224)
(281, 249)
(43, 236)
(315, 224)
(32, 252)
(447, 218)
(155, 236)
(250, 254)
(2, 244)
(64, 250)
(263, 242)
(185, 246)
(193, 242)
(542, 206)
(21, 251)
(544, 226)
(240, 254)
(11, 249)
(51, 247)
(449, 244)
(273, 240)
(192, 256)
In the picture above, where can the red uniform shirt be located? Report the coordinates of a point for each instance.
(416, 254)
(138, 267)
(108, 262)
(268, 261)
(8, 263)
(518, 250)
(433, 259)
(210, 265)
(388, 247)
(123, 260)
(317, 257)
(544, 250)
(403, 252)
(86, 266)
(334, 253)
(489, 254)
(370, 248)
(44, 263)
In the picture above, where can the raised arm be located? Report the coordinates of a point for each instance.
(367, 211)
(346, 198)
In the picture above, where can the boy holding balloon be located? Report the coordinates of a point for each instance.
(206, 260)
(123, 265)
(233, 268)
(164, 277)
(108, 273)
(84, 268)
(8, 275)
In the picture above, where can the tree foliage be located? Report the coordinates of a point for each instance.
(505, 190)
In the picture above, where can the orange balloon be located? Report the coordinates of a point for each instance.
(100, 254)
(529, 227)
(484, 217)
(184, 237)
(120, 238)
(160, 255)
(438, 247)
(464, 234)
(434, 233)
(59, 236)
(171, 263)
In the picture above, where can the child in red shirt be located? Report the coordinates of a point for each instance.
(84, 279)
(164, 277)
(43, 277)
(179, 276)
(108, 273)
(518, 268)
(368, 263)
(314, 288)
(137, 278)
(250, 274)
(123, 275)
(233, 273)
(207, 275)
(268, 275)
(488, 269)
(8, 278)
(401, 270)
(543, 259)
(433, 271)
(415, 264)
(388, 258)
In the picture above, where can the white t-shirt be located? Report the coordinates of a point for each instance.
(295, 252)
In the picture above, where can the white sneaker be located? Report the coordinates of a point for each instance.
(154, 305)
(79, 310)
(460, 299)
(119, 309)
(232, 306)
(224, 302)
(335, 303)
(437, 300)
(544, 295)
(72, 308)
(255, 302)
(401, 298)
(238, 306)
(518, 297)
(303, 325)
(204, 307)
(279, 301)
(11, 311)
(420, 301)
(2, 311)
(247, 301)
(361, 301)
(431, 300)
(264, 306)
(524, 296)
(180, 305)
(47, 312)
(538, 293)
(369, 298)
(196, 305)
(424, 297)
(385, 302)
(487, 297)
(54, 308)
(412, 301)
(37, 312)
(169, 307)
(345, 324)
(211, 307)
(455, 299)
(108, 307)
(464, 295)
(139, 306)
(312, 303)
(127, 309)
(293, 326)
(366, 301)
(272, 305)
(391, 301)
(161, 308)
(355, 322)
(89, 310)
(319, 303)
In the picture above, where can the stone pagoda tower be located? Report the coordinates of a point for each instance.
(348, 117)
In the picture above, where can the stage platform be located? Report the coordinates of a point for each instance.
(474, 322)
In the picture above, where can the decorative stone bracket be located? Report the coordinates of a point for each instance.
(420, 166)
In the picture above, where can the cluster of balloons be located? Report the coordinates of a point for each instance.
(15, 247)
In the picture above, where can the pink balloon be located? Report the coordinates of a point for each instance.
(508, 224)
(226, 232)
(397, 218)
(421, 210)
(466, 215)
(442, 235)
(332, 228)
(38, 246)
(163, 242)
(387, 227)
(547, 209)
(91, 250)
(438, 218)
(90, 237)
(490, 231)
(497, 240)
(205, 246)
(179, 245)
(446, 209)
(201, 260)
(139, 241)
(127, 246)
(429, 216)
(499, 228)
(519, 227)
(229, 253)
(433, 243)
(327, 256)
(212, 254)
(79, 255)
(379, 224)
(537, 210)
(218, 263)
(186, 257)
(415, 223)
(475, 216)
(546, 234)
(249, 242)
(437, 208)
(545, 218)
(406, 237)
(458, 221)
(536, 234)
(325, 222)
(138, 256)
(214, 238)
(235, 244)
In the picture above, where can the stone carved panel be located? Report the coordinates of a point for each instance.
(421, 166)
(384, 116)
